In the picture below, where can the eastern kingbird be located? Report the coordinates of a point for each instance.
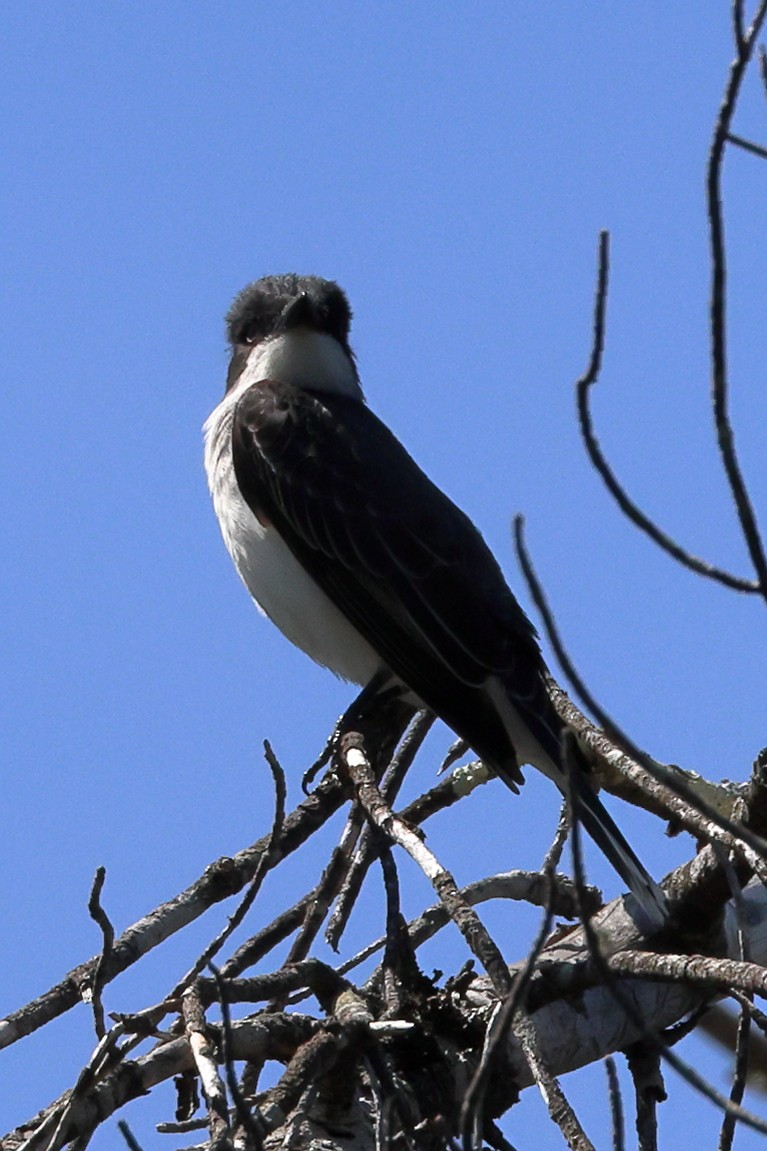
(361, 561)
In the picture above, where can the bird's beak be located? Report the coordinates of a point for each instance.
(299, 313)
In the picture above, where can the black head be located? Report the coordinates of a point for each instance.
(277, 303)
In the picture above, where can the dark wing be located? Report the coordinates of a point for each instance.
(398, 558)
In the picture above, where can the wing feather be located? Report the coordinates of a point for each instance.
(402, 562)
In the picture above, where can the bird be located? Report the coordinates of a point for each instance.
(364, 563)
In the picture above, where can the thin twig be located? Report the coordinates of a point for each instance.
(758, 1017)
(740, 1072)
(648, 1032)
(625, 503)
(128, 1136)
(738, 29)
(396, 935)
(206, 1063)
(559, 1108)
(242, 1111)
(554, 854)
(747, 145)
(471, 1122)
(365, 853)
(465, 918)
(220, 880)
(675, 785)
(269, 937)
(644, 1065)
(99, 915)
(529, 886)
(745, 42)
(265, 862)
(182, 1127)
(616, 1104)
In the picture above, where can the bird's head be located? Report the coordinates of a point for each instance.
(295, 328)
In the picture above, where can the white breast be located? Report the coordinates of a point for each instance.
(281, 588)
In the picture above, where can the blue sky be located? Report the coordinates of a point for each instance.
(451, 166)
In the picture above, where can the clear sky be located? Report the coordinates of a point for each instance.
(451, 166)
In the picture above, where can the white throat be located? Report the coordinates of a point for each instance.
(305, 359)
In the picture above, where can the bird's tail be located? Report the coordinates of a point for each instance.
(612, 843)
(533, 733)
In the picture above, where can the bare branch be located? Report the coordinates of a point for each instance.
(265, 861)
(130, 1139)
(738, 27)
(745, 44)
(395, 828)
(206, 1062)
(644, 1065)
(598, 459)
(242, 1111)
(554, 1097)
(501, 1021)
(221, 879)
(738, 1082)
(365, 853)
(616, 1104)
(669, 779)
(747, 145)
(99, 915)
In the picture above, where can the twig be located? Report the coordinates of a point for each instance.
(324, 983)
(616, 1104)
(182, 1127)
(128, 1136)
(740, 1073)
(758, 1017)
(738, 1088)
(554, 854)
(396, 936)
(644, 1065)
(744, 43)
(472, 1107)
(649, 1033)
(747, 145)
(221, 879)
(324, 894)
(738, 31)
(242, 1111)
(260, 944)
(204, 1054)
(457, 749)
(625, 503)
(99, 915)
(529, 886)
(365, 854)
(465, 918)
(677, 786)
(262, 867)
(554, 1097)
